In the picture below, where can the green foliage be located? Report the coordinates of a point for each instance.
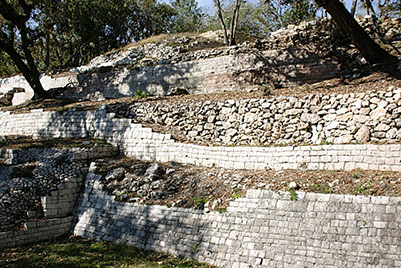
(7, 66)
(188, 16)
(298, 11)
(237, 193)
(293, 194)
(221, 210)
(70, 33)
(363, 188)
(323, 188)
(195, 248)
(356, 174)
(200, 201)
(78, 252)
(142, 94)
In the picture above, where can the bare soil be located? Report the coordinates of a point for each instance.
(193, 186)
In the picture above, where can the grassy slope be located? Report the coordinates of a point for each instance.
(78, 252)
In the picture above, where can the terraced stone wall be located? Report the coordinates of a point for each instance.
(36, 231)
(262, 229)
(142, 143)
(216, 74)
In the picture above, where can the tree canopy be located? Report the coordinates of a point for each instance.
(69, 33)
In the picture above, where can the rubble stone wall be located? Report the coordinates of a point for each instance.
(262, 229)
(54, 187)
(142, 143)
(313, 119)
(57, 212)
(223, 73)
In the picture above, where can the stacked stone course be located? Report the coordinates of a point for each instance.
(54, 184)
(262, 229)
(313, 119)
(144, 144)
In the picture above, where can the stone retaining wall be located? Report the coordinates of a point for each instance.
(10, 156)
(142, 143)
(55, 188)
(36, 231)
(313, 119)
(206, 75)
(263, 229)
(212, 75)
(57, 211)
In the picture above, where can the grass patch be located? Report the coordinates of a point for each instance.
(322, 188)
(23, 142)
(78, 252)
(200, 201)
(293, 194)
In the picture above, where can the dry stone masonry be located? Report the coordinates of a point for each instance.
(313, 119)
(263, 229)
(144, 144)
(39, 188)
(291, 56)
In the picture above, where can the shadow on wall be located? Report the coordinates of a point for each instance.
(76, 124)
(294, 66)
(159, 80)
(150, 227)
(106, 219)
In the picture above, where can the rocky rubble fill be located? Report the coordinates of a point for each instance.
(34, 173)
(312, 119)
(210, 188)
(171, 184)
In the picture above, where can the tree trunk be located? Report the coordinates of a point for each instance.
(369, 49)
(28, 69)
(47, 56)
(353, 8)
(220, 15)
(234, 22)
(31, 76)
(369, 8)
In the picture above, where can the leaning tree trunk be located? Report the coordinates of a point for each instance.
(220, 15)
(31, 75)
(369, 49)
(25, 64)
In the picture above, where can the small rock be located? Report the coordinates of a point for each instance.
(363, 134)
(154, 169)
(116, 174)
(293, 185)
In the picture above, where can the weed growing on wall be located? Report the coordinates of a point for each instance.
(142, 94)
(293, 194)
(200, 201)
